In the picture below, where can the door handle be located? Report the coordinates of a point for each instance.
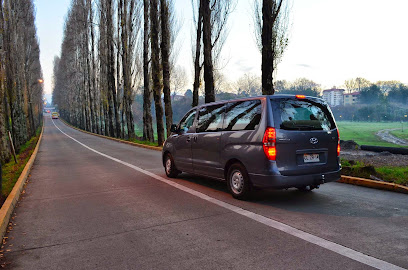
(195, 138)
(188, 139)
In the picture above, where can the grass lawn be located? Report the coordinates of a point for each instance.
(400, 134)
(364, 132)
(11, 171)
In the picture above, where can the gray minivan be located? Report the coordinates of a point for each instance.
(277, 141)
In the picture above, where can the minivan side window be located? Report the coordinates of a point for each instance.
(210, 118)
(242, 115)
(304, 115)
(187, 121)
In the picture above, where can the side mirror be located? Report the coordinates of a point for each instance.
(173, 128)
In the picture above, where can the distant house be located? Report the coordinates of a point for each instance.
(351, 98)
(175, 97)
(334, 97)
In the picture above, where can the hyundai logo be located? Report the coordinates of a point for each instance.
(314, 140)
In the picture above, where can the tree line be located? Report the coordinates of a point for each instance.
(379, 101)
(20, 75)
(112, 48)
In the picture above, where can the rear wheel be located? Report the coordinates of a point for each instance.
(169, 167)
(238, 181)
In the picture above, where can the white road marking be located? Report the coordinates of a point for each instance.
(339, 249)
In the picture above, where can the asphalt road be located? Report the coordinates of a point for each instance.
(93, 203)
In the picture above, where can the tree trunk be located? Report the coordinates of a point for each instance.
(270, 11)
(96, 119)
(111, 72)
(4, 153)
(127, 53)
(197, 64)
(147, 94)
(165, 52)
(156, 70)
(208, 62)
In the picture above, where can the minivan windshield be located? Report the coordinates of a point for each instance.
(304, 115)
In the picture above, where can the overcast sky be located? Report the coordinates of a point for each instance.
(330, 40)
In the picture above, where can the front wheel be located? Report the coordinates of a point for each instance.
(238, 181)
(169, 167)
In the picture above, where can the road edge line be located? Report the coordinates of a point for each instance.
(156, 148)
(344, 178)
(12, 199)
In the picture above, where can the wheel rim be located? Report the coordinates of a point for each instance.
(168, 165)
(237, 182)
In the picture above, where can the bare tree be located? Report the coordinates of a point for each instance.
(356, 84)
(271, 33)
(197, 54)
(178, 79)
(113, 104)
(155, 55)
(350, 85)
(249, 85)
(128, 9)
(362, 83)
(165, 57)
(147, 93)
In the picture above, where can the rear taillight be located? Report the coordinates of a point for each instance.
(300, 96)
(269, 143)
(338, 143)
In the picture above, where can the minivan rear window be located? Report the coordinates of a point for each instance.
(304, 115)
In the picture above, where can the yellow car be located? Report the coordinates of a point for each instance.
(54, 115)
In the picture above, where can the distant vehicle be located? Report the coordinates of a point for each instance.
(54, 115)
(278, 141)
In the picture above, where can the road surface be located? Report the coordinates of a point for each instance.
(93, 203)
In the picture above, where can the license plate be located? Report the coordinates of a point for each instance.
(307, 158)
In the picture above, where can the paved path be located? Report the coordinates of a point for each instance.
(93, 203)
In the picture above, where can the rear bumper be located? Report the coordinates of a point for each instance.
(281, 181)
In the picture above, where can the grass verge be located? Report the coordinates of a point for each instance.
(11, 171)
(364, 132)
(397, 175)
(143, 142)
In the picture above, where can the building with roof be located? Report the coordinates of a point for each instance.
(351, 98)
(333, 97)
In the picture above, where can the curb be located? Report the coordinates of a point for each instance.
(156, 148)
(373, 184)
(344, 179)
(12, 199)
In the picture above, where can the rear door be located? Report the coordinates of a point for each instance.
(306, 136)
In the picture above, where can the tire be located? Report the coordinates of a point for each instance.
(238, 182)
(170, 167)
